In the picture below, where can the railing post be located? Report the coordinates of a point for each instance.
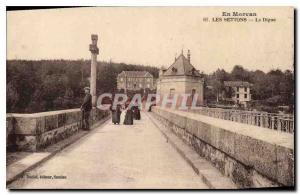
(260, 119)
(267, 118)
(272, 122)
(279, 123)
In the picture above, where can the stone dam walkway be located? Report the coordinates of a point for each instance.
(116, 156)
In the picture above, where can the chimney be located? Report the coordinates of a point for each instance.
(189, 56)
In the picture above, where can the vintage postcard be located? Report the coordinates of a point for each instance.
(150, 98)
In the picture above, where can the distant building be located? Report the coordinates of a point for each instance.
(181, 78)
(134, 80)
(241, 91)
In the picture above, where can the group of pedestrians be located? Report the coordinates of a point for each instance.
(131, 113)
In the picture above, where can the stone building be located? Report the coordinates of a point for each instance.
(134, 80)
(181, 78)
(241, 91)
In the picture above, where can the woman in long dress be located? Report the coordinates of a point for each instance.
(128, 116)
(137, 113)
(116, 113)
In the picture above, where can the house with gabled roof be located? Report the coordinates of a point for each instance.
(181, 77)
(241, 91)
(134, 80)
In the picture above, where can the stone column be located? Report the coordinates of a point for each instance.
(94, 52)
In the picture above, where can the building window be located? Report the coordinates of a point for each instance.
(172, 92)
(237, 88)
(193, 92)
(134, 85)
(245, 88)
(148, 85)
(140, 85)
(148, 80)
(121, 79)
(237, 96)
(245, 96)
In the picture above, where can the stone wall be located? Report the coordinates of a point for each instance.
(251, 156)
(33, 132)
(181, 85)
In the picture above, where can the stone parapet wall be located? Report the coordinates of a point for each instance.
(33, 132)
(251, 156)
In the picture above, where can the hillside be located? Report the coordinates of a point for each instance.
(45, 85)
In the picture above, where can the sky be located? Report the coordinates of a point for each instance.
(155, 35)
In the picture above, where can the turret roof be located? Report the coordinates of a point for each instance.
(181, 66)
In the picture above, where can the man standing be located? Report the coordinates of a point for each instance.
(86, 108)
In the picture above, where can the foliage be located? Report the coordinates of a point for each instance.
(45, 85)
(275, 88)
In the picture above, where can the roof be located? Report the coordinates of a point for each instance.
(237, 84)
(181, 66)
(135, 74)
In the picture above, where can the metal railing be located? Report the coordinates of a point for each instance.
(279, 122)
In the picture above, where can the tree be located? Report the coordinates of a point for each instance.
(217, 81)
(238, 73)
(44, 85)
(12, 97)
(260, 88)
(274, 78)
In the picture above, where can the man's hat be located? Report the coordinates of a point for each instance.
(86, 88)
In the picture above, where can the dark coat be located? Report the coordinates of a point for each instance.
(116, 114)
(136, 113)
(128, 117)
(87, 103)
